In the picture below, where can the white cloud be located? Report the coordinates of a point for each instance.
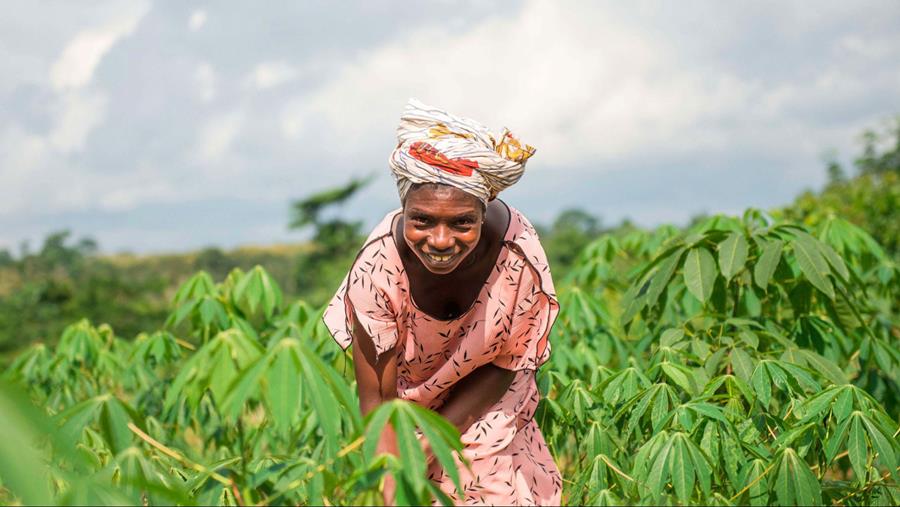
(271, 74)
(702, 97)
(583, 82)
(74, 68)
(217, 136)
(575, 82)
(140, 186)
(21, 157)
(205, 81)
(197, 20)
(79, 113)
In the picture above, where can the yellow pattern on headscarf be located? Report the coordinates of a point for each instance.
(441, 130)
(511, 149)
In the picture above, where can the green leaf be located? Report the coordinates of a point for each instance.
(835, 260)
(22, 468)
(670, 337)
(816, 406)
(411, 453)
(683, 377)
(701, 466)
(884, 443)
(284, 389)
(759, 488)
(813, 264)
(843, 406)
(321, 396)
(700, 273)
(741, 364)
(762, 383)
(438, 433)
(795, 483)
(682, 471)
(114, 419)
(659, 470)
(663, 274)
(245, 386)
(833, 444)
(856, 446)
(375, 423)
(732, 255)
(768, 261)
(632, 302)
(824, 367)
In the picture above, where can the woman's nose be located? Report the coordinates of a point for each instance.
(440, 239)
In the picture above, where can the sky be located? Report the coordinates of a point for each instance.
(169, 126)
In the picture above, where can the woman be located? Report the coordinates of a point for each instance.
(449, 304)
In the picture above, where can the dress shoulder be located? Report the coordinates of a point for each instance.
(371, 292)
(522, 239)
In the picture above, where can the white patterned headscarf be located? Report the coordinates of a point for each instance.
(434, 146)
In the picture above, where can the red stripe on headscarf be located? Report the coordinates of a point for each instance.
(426, 153)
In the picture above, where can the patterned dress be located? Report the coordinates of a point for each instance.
(507, 325)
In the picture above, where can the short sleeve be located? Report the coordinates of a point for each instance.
(364, 293)
(527, 347)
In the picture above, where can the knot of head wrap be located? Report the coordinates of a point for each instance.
(434, 146)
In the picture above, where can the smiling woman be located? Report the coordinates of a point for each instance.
(449, 305)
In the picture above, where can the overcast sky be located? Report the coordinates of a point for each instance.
(166, 126)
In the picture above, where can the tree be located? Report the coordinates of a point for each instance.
(572, 230)
(319, 271)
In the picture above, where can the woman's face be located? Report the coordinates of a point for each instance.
(441, 225)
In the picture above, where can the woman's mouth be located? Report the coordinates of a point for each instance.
(440, 259)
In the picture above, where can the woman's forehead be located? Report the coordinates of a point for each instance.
(441, 197)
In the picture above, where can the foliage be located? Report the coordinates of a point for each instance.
(742, 361)
(870, 200)
(44, 291)
(749, 360)
(572, 230)
(739, 366)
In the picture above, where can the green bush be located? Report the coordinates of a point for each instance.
(741, 361)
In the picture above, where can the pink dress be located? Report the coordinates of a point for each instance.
(507, 325)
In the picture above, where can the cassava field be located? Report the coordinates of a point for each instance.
(741, 360)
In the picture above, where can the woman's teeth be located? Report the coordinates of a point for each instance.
(439, 258)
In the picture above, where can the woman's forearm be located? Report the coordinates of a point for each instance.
(472, 396)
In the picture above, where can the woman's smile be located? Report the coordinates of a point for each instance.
(440, 259)
(442, 226)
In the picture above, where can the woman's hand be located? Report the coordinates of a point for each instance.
(387, 443)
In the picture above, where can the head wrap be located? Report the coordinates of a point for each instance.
(434, 146)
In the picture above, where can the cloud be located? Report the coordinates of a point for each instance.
(205, 82)
(197, 20)
(74, 68)
(583, 82)
(563, 78)
(217, 136)
(271, 74)
(78, 114)
(648, 109)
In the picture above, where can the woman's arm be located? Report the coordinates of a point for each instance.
(474, 394)
(376, 380)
